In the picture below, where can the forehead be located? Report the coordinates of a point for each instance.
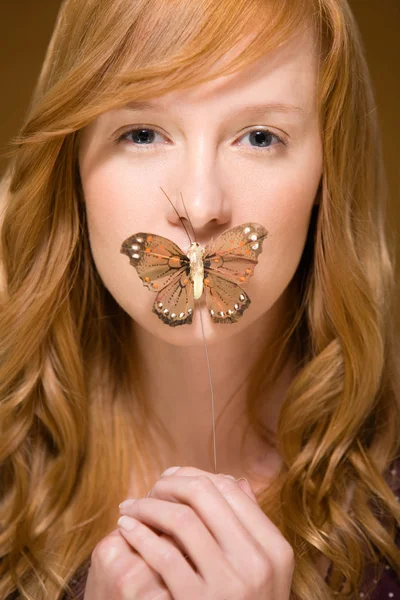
(285, 75)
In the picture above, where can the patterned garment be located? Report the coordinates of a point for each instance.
(388, 586)
(78, 583)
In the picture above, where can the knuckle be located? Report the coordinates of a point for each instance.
(160, 484)
(261, 565)
(262, 569)
(237, 588)
(140, 510)
(259, 568)
(168, 555)
(140, 532)
(267, 569)
(183, 514)
(225, 484)
(200, 484)
(232, 582)
(106, 551)
(123, 582)
(287, 556)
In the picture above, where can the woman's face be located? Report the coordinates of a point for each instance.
(233, 162)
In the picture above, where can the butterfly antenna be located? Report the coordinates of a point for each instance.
(194, 234)
(180, 218)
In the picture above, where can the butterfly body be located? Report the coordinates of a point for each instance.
(195, 255)
(219, 270)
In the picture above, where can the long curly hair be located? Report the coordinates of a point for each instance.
(70, 396)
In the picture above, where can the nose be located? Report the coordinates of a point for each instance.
(200, 189)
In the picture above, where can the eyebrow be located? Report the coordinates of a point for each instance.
(254, 109)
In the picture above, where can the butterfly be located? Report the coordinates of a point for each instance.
(219, 270)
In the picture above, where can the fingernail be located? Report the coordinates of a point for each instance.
(126, 523)
(246, 487)
(243, 478)
(243, 485)
(230, 477)
(127, 503)
(170, 471)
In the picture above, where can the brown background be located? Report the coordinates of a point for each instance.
(26, 26)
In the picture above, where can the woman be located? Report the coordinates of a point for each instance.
(241, 112)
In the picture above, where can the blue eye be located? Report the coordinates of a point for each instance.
(263, 137)
(143, 138)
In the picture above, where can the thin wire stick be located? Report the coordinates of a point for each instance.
(202, 332)
(211, 386)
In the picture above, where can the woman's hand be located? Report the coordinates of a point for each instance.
(118, 573)
(234, 550)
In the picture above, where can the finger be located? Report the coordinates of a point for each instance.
(182, 523)
(246, 487)
(270, 541)
(231, 542)
(117, 569)
(249, 513)
(242, 481)
(161, 556)
(185, 556)
(168, 539)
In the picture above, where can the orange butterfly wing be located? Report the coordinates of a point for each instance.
(165, 269)
(229, 262)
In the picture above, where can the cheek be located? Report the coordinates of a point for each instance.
(109, 202)
(289, 217)
(113, 198)
(286, 215)
(289, 227)
(109, 199)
